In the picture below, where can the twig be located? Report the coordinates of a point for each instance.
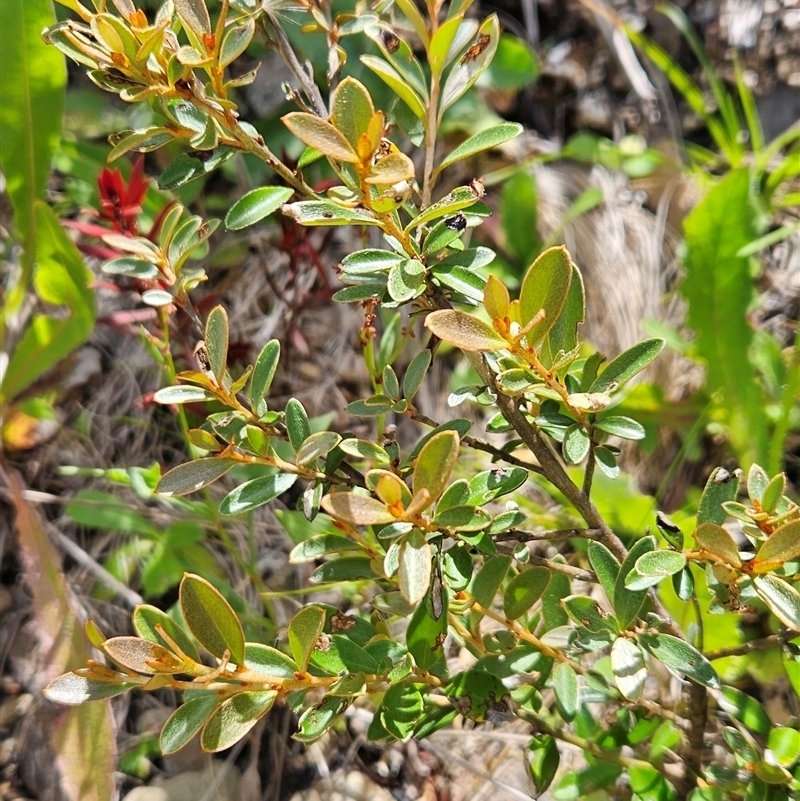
(772, 641)
(517, 535)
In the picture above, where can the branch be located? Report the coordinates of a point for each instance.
(772, 641)
(517, 535)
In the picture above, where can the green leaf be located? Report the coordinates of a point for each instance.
(467, 284)
(426, 632)
(606, 461)
(268, 661)
(236, 40)
(627, 603)
(399, 85)
(565, 685)
(486, 582)
(460, 425)
(434, 464)
(297, 424)
(321, 545)
(32, 81)
(216, 338)
(182, 394)
(234, 717)
(545, 287)
(720, 488)
(211, 618)
(74, 688)
(371, 407)
(364, 262)
(303, 633)
(720, 291)
(552, 610)
(414, 569)
(653, 567)
(316, 446)
(256, 205)
(472, 64)
(490, 484)
(464, 331)
(461, 197)
(347, 568)
(622, 427)
(255, 493)
(342, 655)
(321, 135)
(185, 722)
(351, 109)
(415, 373)
(606, 566)
(576, 444)
(782, 599)
(628, 667)
(543, 761)
(524, 590)
(62, 280)
(360, 510)
(745, 709)
(190, 477)
(586, 612)
(627, 365)
(716, 540)
(401, 709)
(263, 372)
(784, 743)
(314, 722)
(326, 212)
(563, 336)
(782, 546)
(681, 657)
(406, 280)
(190, 166)
(131, 267)
(757, 482)
(146, 621)
(484, 140)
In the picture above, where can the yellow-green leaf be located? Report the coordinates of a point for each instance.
(321, 135)
(464, 331)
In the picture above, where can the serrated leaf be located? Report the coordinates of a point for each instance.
(434, 464)
(627, 365)
(184, 723)
(303, 633)
(414, 567)
(782, 599)
(681, 657)
(622, 427)
(255, 493)
(628, 667)
(360, 510)
(716, 540)
(653, 567)
(782, 546)
(401, 709)
(721, 487)
(146, 622)
(190, 477)
(484, 140)
(545, 287)
(565, 685)
(234, 717)
(524, 590)
(256, 205)
(627, 603)
(211, 619)
(464, 331)
(321, 135)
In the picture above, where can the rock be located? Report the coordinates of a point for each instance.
(193, 786)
